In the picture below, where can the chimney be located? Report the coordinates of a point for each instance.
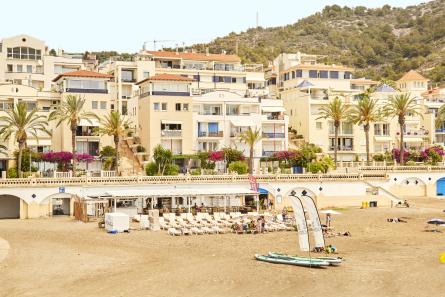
(207, 51)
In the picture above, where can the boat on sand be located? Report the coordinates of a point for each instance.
(330, 260)
(297, 262)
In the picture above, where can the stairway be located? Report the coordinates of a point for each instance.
(131, 164)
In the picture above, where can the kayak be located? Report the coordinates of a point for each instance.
(330, 260)
(304, 262)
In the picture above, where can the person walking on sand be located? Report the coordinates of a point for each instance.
(328, 219)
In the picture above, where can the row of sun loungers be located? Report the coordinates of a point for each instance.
(219, 223)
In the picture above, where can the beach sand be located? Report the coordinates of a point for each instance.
(61, 257)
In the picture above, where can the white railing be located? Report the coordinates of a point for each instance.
(107, 173)
(401, 168)
(190, 179)
(59, 174)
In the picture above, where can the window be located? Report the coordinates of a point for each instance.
(319, 125)
(24, 53)
(164, 106)
(178, 106)
(346, 128)
(112, 106)
(19, 68)
(103, 104)
(146, 74)
(299, 73)
(348, 75)
(94, 104)
(127, 75)
(156, 106)
(29, 68)
(385, 129)
(313, 74)
(185, 107)
(333, 74)
(323, 74)
(10, 68)
(39, 69)
(293, 74)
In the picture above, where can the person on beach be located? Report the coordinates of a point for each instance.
(328, 220)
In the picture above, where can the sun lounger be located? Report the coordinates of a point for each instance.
(219, 230)
(174, 232)
(183, 215)
(208, 230)
(196, 231)
(186, 231)
(163, 224)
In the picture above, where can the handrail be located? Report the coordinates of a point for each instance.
(195, 179)
(401, 168)
(391, 195)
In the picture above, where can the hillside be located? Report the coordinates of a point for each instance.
(382, 42)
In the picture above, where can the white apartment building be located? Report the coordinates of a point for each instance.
(25, 60)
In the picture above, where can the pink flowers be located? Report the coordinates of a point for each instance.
(65, 157)
(216, 156)
(284, 155)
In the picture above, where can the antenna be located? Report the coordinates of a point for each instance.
(257, 17)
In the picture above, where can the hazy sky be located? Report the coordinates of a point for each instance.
(124, 25)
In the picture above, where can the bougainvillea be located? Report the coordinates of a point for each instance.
(84, 157)
(216, 156)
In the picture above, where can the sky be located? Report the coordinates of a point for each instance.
(124, 25)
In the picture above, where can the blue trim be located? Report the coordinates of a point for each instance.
(263, 191)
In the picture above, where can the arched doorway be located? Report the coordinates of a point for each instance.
(59, 204)
(9, 207)
(440, 187)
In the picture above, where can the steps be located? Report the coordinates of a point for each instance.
(131, 164)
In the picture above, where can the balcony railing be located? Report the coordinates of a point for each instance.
(78, 90)
(171, 133)
(342, 148)
(440, 130)
(414, 133)
(210, 134)
(275, 117)
(273, 135)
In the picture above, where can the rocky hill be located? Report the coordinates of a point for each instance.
(382, 42)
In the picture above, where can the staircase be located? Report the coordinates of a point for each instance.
(131, 162)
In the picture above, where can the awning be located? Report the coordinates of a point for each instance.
(412, 139)
(89, 122)
(262, 191)
(42, 142)
(170, 122)
(273, 109)
(382, 138)
(242, 122)
(180, 192)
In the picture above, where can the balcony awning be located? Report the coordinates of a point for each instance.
(412, 139)
(42, 142)
(273, 109)
(382, 138)
(170, 122)
(89, 123)
(242, 122)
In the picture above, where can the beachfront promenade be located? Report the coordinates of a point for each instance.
(385, 184)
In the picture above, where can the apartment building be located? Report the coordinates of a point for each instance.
(210, 71)
(163, 113)
(94, 88)
(304, 88)
(25, 60)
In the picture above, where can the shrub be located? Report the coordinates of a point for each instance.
(171, 169)
(151, 169)
(239, 167)
(410, 163)
(195, 171)
(322, 165)
(108, 163)
(12, 173)
(108, 151)
(140, 149)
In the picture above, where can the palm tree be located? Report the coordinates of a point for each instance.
(71, 111)
(400, 106)
(251, 137)
(440, 116)
(21, 123)
(364, 113)
(337, 112)
(117, 126)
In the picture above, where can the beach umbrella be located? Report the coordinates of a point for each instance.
(436, 221)
(330, 211)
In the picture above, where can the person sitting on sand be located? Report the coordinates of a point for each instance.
(405, 203)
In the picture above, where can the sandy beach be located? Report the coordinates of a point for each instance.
(61, 257)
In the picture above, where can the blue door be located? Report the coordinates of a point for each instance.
(441, 187)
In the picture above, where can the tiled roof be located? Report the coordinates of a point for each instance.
(166, 77)
(82, 73)
(412, 75)
(195, 56)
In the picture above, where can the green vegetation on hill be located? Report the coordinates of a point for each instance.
(381, 42)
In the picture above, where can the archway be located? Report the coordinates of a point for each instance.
(9, 207)
(411, 187)
(59, 204)
(440, 187)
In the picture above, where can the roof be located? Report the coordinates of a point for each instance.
(385, 89)
(166, 77)
(195, 56)
(83, 73)
(364, 81)
(412, 75)
(319, 67)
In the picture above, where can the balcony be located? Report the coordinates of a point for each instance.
(210, 134)
(342, 148)
(270, 117)
(171, 133)
(417, 133)
(268, 153)
(273, 135)
(440, 130)
(94, 91)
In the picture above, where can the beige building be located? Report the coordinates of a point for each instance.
(304, 88)
(163, 113)
(27, 61)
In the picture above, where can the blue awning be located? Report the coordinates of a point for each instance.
(262, 191)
